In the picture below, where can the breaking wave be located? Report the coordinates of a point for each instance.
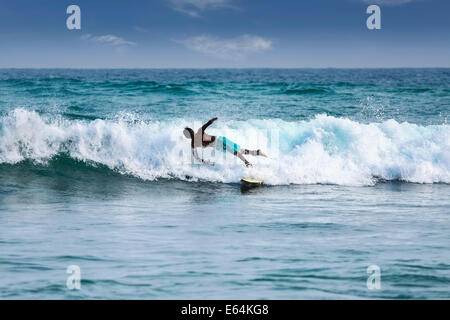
(322, 150)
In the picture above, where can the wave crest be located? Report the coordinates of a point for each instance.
(322, 150)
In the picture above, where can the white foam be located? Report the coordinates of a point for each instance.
(322, 150)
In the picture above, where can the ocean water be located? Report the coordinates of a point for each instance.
(95, 172)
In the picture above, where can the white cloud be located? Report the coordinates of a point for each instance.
(194, 7)
(229, 49)
(108, 39)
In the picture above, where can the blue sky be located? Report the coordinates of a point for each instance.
(224, 33)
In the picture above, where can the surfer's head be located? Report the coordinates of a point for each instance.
(188, 133)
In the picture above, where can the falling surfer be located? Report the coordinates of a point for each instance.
(201, 139)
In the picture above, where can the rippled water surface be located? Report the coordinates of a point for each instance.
(94, 173)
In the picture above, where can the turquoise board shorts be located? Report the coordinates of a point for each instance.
(225, 145)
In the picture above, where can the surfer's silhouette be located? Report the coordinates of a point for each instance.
(201, 139)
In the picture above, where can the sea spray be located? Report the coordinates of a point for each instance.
(324, 149)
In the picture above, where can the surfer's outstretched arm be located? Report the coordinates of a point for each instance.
(206, 125)
(195, 154)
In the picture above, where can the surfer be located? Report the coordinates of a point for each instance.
(201, 139)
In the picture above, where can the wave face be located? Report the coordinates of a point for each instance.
(323, 150)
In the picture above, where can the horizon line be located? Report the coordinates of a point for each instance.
(212, 68)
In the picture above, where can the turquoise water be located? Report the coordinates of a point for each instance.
(95, 172)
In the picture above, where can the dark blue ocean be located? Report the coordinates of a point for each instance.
(95, 172)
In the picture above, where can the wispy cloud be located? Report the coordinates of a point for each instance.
(140, 29)
(109, 39)
(387, 2)
(229, 49)
(194, 7)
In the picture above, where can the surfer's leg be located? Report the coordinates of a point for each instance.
(260, 153)
(240, 156)
(235, 149)
(254, 152)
